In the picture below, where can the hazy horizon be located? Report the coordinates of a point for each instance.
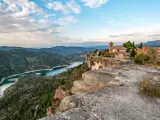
(48, 23)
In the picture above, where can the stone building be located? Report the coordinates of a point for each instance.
(115, 49)
(119, 51)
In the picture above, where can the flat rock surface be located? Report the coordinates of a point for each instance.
(131, 75)
(92, 78)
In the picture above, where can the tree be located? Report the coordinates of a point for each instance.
(133, 45)
(141, 45)
(133, 53)
(129, 46)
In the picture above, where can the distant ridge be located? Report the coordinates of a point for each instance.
(155, 43)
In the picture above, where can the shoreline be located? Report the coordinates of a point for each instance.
(63, 68)
(32, 71)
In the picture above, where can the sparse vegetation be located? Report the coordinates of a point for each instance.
(150, 88)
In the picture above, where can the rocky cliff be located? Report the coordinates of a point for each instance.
(97, 62)
(111, 93)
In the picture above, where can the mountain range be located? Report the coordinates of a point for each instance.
(155, 43)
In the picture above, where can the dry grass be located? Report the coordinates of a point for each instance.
(150, 88)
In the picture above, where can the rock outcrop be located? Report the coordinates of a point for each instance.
(95, 63)
(118, 100)
(68, 103)
(112, 104)
(91, 81)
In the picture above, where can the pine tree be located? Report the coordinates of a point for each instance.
(133, 52)
(133, 45)
(141, 45)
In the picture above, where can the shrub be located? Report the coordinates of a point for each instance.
(150, 88)
(142, 58)
(107, 54)
(152, 55)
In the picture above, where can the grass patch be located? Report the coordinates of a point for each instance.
(150, 88)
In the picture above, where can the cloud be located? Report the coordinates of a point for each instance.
(57, 6)
(20, 28)
(2, 6)
(22, 8)
(113, 36)
(13, 7)
(144, 34)
(74, 7)
(66, 20)
(70, 6)
(49, 15)
(94, 3)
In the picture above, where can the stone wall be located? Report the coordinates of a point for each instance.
(95, 63)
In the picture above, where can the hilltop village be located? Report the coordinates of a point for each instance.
(127, 53)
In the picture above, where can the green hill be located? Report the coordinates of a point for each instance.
(20, 60)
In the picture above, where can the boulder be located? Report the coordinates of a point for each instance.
(59, 94)
(49, 111)
(92, 78)
(79, 87)
(68, 103)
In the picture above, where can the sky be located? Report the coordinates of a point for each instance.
(48, 23)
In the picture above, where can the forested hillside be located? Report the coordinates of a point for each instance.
(29, 98)
(20, 60)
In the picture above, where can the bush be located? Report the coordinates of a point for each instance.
(152, 55)
(146, 58)
(149, 88)
(141, 59)
(107, 54)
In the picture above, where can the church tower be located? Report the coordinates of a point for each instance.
(110, 47)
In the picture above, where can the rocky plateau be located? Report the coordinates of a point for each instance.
(111, 93)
